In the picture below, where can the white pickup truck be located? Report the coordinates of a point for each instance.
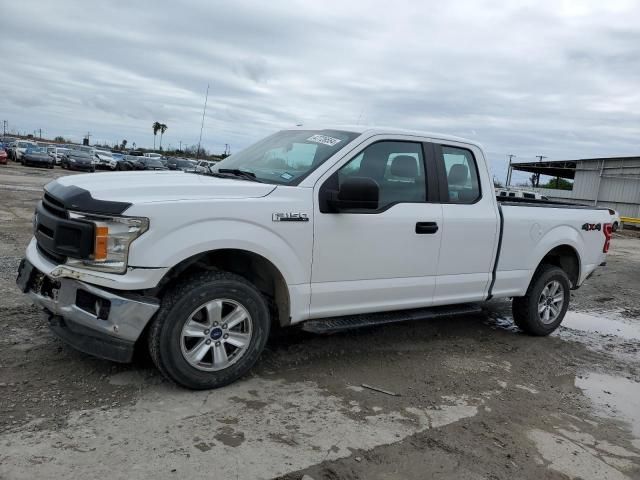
(328, 228)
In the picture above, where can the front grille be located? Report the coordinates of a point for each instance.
(54, 206)
(58, 236)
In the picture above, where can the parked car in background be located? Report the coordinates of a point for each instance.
(616, 223)
(204, 166)
(4, 157)
(181, 164)
(153, 155)
(37, 157)
(56, 153)
(105, 160)
(149, 163)
(20, 148)
(78, 160)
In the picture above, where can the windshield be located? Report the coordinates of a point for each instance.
(288, 156)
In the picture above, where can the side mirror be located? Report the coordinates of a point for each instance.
(356, 193)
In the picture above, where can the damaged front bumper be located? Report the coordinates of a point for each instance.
(94, 320)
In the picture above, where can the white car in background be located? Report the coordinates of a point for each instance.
(519, 194)
(104, 159)
(616, 223)
(21, 147)
(153, 155)
(204, 166)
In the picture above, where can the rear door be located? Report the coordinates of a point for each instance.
(470, 224)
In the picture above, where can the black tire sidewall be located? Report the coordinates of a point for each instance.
(173, 362)
(548, 275)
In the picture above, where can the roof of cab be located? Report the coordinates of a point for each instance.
(370, 131)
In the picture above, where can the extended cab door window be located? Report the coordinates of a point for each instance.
(461, 174)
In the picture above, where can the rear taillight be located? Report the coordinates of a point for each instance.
(606, 229)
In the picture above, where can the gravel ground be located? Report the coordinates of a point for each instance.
(476, 397)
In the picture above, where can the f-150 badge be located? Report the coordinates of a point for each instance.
(290, 217)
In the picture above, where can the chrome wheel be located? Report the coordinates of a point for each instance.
(551, 302)
(216, 335)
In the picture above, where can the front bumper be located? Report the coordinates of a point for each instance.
(91, 319)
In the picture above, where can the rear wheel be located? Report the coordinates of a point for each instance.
(209, 331)
(615, 226)
(544, 306)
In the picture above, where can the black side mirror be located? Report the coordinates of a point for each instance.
(356, 193)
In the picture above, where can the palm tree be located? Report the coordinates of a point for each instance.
(163, 128)
(156, 128)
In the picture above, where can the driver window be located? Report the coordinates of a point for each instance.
(397, 167)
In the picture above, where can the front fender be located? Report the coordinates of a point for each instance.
(166, 248)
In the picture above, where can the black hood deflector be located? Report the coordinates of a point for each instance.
(80, 200)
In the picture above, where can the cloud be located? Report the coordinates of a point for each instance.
(529, 78)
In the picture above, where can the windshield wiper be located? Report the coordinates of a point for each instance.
(237, 173)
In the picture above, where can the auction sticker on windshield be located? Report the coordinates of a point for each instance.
(324, 140)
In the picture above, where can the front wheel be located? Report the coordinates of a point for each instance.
(209, 331)
(544, 306)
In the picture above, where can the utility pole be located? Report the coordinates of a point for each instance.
(540, 158)
(180, 145)
(508, 182)
(4, 128)
(202, 124)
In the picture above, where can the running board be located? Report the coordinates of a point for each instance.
(338, 324)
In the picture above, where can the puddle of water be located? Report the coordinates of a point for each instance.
(612, 396)
(609, 323)
(603, 323)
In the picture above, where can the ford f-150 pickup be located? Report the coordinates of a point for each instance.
(328, 228)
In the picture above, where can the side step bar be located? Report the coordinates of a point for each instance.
(338, 324)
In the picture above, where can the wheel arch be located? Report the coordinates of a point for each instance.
(257, 269)
(565, 257)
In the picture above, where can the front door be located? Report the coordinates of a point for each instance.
(383, 258)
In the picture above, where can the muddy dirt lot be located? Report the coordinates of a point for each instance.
(477, 398)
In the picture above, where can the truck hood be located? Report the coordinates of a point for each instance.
(158, 186)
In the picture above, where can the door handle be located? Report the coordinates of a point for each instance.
(426, 228)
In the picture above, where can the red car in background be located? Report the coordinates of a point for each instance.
(3, 156)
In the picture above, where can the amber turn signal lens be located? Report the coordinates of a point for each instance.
(100, 245)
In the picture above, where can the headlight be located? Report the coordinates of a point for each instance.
(113, 236)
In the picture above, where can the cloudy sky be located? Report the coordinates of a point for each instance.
(558, 78)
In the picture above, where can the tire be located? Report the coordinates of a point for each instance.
(186, 303)
(615, 226)
(526, 313)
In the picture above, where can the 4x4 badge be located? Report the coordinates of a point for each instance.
(588, 227)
